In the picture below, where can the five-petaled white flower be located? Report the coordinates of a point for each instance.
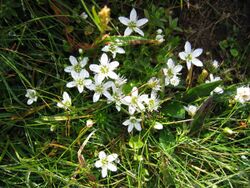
(135, 101)
(31, 95)
(117, 96)
(66, 102)
(105, 69)
(215, 64)
(171, 73)
(154, 84)
(100, 89)
(191, 110)
(153, 103)
(133, 23)
(132, 123)
(218, 89)
(106, 163)
(114, 49)
(77, 67)
(189, 55)
(243, 94)
(79, 81)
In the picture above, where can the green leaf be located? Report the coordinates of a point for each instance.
(200, 91)
(135, 142)
(167, 141)
(234, 52)
(174, 109)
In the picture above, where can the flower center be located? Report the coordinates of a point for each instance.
(77, 68)
(80, 82)
(133, 120)
(104, 161)
(170, 73)
(99, 89)
(132, 25)
(134, 100)
(189, 57)
(112, 48)
(104, 69)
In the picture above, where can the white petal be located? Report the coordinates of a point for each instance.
(30, 101)
(141, 22)
(120, 50)
(138, 126)
(112, 167)
(71, 84)
(131, 110)
(100, 78)
(114, 64)
(158, 126)
(94, 68)
(170, 63)
(112, 157)
(113, 75)
(127, 122)
(134, 91)
(107, 94)
(105, 48)
(183, 55)
(96, 97)
(127, 31)
(187, 47)
(188, 65)
(73, 60)
(98, 164)
(88, 82)
(104, 172)
(197, 52)
(102, 155)
(177, 69)
(84, 73)
(130, 127)
(66, 96)
(80, 88)
(124, 20)
(60, 105)
(104, 59)
(133, 15)
(126, 100)
(197, 62)
(137, 30)
(84, 61)
(68, 69)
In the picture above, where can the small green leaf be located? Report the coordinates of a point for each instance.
(174, 109)
(200, 91)
(135, 142)
(234, 52)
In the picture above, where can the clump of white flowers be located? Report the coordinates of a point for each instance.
(159, 37)
(171, 73)
(31, 95)
(243, 94)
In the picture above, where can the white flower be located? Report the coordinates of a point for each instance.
(191, 109)
(215, 64)
(66, 102)
(84, 15)
(135, 101)
(89, 123)
(106, 163)
(79, 81)
(171, 73)
(133, 23)
(154, 84)
(217, 90)
(132, 123)
(100, 89)
(243, 94)
(105, 69)
(77, 67)
(189, 55)
(153, 102)
(159, 36)
(158, 126)
(114, 49)
(31, 95)
(121, 80)
(116, 97)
